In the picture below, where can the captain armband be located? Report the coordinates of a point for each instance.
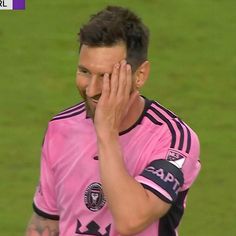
(166, 179)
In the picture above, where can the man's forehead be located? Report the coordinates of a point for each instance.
(101, 59)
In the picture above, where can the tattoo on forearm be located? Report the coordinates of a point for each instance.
(41, 232)
(39, 226)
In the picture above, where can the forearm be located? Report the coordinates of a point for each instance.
(133, 208)
(40, 226)
(127, 199)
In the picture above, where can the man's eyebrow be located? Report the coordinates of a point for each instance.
(83, 68)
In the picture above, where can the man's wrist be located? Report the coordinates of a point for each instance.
(107, 136)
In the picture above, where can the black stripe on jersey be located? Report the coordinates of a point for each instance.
(189, 136)
(179, 124)
(151, 118)
(181, 130)
(68, 108)
(169, 222)
(170, 126)
(69, 115)
(171, 114)
(43, 214)
(76, 107)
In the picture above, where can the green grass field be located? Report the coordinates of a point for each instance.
(193, 56)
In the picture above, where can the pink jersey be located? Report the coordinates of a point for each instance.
(160, 151)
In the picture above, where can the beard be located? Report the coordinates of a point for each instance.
(90, 108)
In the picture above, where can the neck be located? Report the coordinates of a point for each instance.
(133, 114)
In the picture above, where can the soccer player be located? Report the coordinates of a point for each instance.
(117, 163)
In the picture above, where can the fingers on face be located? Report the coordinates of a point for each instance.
(124, 79)
(129, 79)
(115, 79)
(106, 86)
(121, 80)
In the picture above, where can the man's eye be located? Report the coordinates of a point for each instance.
(83, 71)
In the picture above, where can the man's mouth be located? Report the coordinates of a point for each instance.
(95, 101)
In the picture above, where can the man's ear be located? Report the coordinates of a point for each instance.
(142, 74)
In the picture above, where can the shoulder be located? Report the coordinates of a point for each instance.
(66, 122)
(174, 143)
(176, 133)
(70, 112)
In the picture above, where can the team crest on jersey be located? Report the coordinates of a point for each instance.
(94, 197)
(175, 158)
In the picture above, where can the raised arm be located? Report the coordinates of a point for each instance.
(39, 226)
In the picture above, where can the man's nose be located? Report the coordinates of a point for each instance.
(94, 87)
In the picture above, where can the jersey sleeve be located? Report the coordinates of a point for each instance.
(174, 164)
(44, 203)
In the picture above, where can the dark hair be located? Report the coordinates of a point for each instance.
(114, 25)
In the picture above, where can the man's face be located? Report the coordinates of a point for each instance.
(94, 62)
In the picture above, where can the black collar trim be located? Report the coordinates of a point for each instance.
(139, 121)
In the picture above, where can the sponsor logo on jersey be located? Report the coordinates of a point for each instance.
(94, 197)
(175, 158)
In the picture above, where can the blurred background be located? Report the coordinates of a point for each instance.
(193, 58)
